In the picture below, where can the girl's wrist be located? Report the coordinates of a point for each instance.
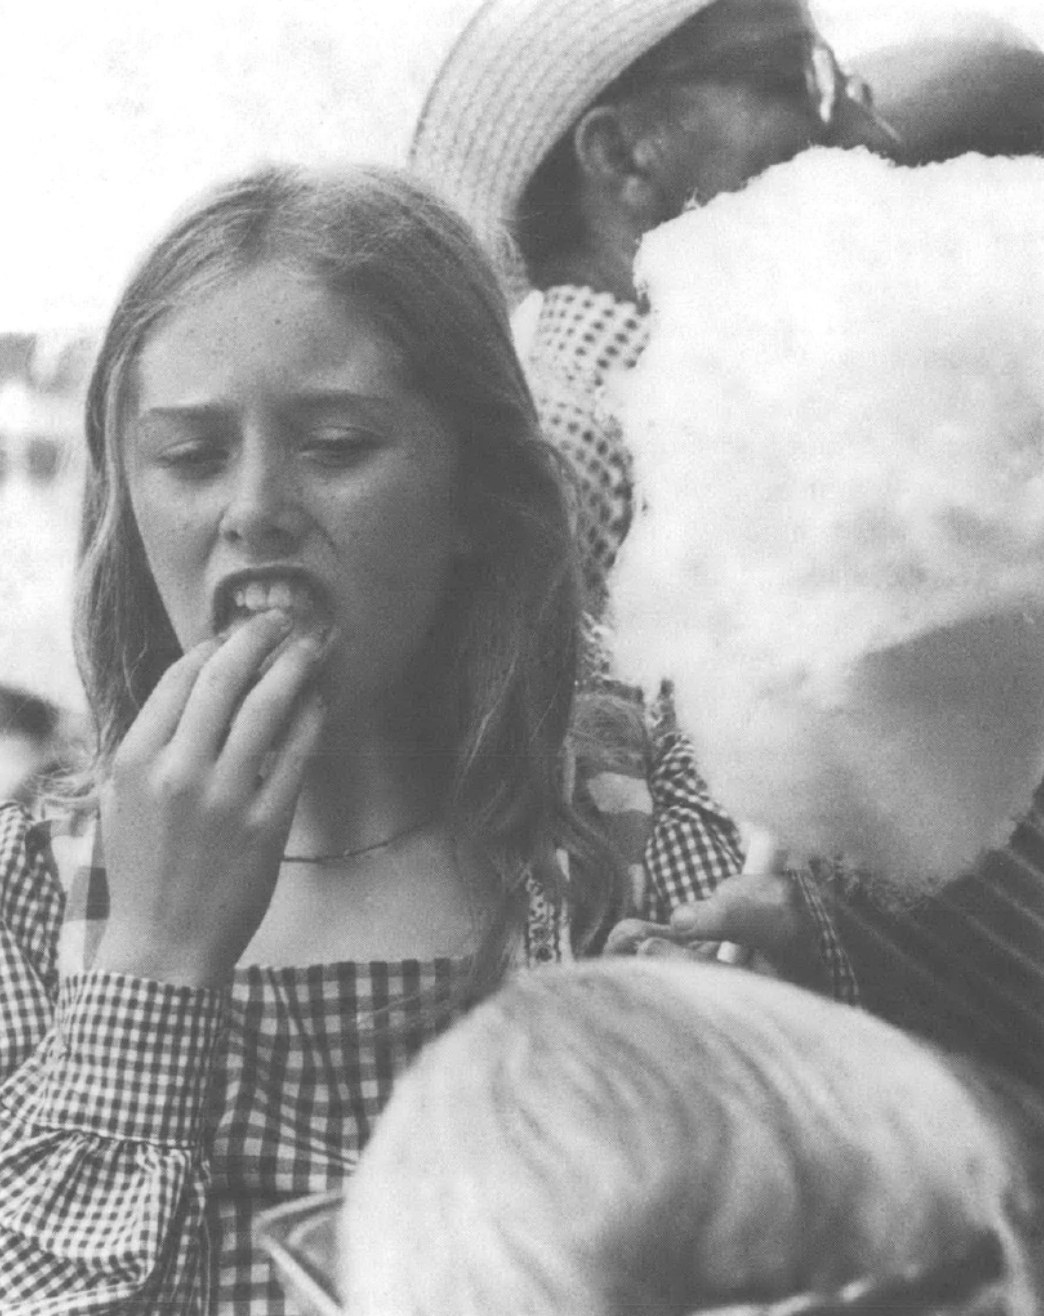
(137, 955)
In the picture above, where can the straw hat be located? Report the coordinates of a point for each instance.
(523, 71)
(515, 80)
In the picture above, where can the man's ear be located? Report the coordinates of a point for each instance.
(616, 155)
(602, 141)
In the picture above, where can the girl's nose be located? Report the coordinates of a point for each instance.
(263, 511)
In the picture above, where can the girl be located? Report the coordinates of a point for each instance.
(328, 629)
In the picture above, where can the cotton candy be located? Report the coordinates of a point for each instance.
(838, 431)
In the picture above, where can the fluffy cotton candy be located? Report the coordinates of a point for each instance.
(838, 429)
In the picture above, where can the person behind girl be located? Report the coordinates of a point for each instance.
(328, 629)
(607, 1139)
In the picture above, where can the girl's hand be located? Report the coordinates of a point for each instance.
(197, 809)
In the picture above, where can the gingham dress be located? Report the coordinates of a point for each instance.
(143, 1125)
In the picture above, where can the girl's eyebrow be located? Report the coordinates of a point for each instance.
(155, 418)
(204, 410)
(303, 401)
(317, 397)
(325, 397)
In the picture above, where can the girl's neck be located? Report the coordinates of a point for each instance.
(373, 870)
(355, 797)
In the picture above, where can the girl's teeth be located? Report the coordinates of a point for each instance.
(260, 596)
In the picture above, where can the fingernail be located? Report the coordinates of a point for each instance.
(684, 919)
(274, 620)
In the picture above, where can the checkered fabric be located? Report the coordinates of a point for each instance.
(832, 954)
(576, 341)
(297, 1090)
(694, 843)
(143, 1126)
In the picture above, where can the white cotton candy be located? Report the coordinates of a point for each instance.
(838, 430)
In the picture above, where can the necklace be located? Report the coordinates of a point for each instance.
(340, 855)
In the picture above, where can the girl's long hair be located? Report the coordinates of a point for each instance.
(501, 668)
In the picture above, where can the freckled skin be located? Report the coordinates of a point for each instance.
(275, 424)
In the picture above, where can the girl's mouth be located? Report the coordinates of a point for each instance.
(246, 594)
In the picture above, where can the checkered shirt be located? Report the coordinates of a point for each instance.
(580, 338)
(143, 1126)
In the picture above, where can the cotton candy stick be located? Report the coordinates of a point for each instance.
(763, 855)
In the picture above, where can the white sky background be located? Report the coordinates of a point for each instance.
(114, 112)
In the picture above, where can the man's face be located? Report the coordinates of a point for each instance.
(716, 136)
(747, 85)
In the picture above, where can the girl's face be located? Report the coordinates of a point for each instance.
(278, 456)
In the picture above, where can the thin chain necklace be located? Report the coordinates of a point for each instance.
(340, 855)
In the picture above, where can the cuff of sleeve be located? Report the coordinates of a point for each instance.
(841, 978)
(131, 1058)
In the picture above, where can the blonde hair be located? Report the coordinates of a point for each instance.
(650, 1137)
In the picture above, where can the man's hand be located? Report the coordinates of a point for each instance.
(761, 913)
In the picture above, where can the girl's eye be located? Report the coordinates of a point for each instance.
(194, 458)
(338, 445)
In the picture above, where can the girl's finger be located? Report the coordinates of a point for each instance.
(277, 797)
(162, 711)
(260, 723)
(223, 682)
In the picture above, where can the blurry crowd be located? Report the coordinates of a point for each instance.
(356, 771)
(43, 379)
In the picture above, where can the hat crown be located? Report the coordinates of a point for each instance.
(517, 77)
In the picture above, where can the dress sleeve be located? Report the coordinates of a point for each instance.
(693, 844)
(841, 981)
(103, 1082)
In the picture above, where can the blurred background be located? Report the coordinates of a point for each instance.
(111, 115)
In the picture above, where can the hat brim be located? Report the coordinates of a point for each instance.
(514, 81)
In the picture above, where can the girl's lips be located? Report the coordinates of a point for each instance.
(241, 597)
